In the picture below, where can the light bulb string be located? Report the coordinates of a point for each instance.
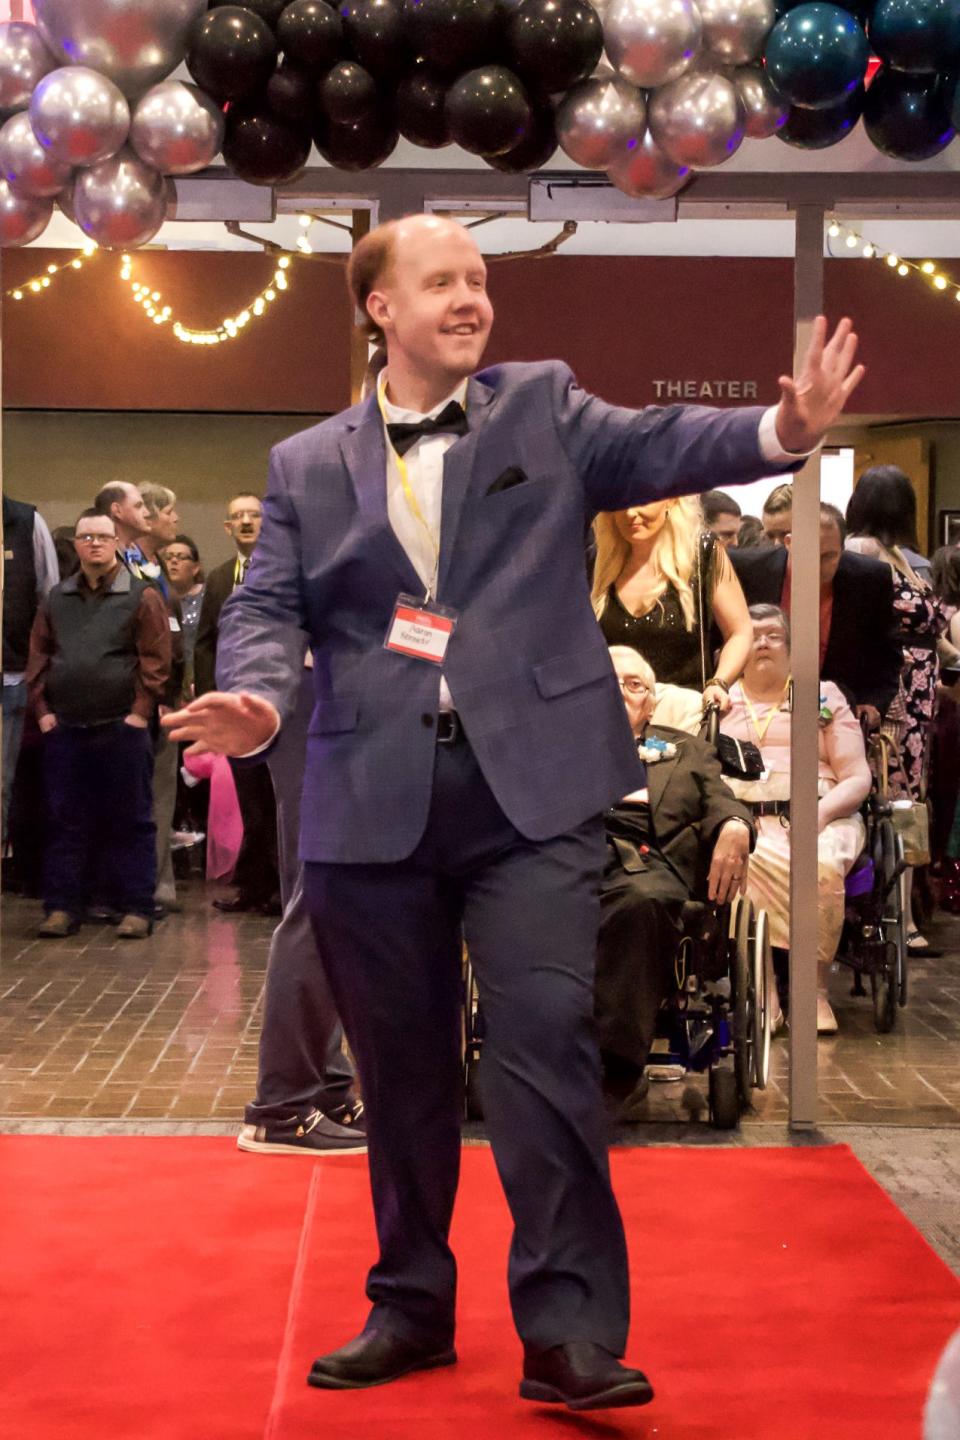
(926, 269)
(231, 327)
(42, 282)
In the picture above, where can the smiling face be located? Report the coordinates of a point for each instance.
(642, 523)
(431, 302)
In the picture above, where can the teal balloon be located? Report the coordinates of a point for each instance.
(920, 37)
(908, 117)
(816, 55)
(807, 129)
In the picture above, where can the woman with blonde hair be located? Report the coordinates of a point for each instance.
(660, 583)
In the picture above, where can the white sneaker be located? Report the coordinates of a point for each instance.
(826, 1020)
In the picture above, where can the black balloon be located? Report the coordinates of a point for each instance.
(817, 129)
(534, 150)
(360, 144)
(269, 10)
(261, 149)
(291, 95)
(421, 109)
(347, 93)
(488, 110)
(909, 116)
(311, 35)
(554, 43)
(376, 33)
(452, 34)
(861, 9)
(233, 53)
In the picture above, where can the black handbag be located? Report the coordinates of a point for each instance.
(739, 758)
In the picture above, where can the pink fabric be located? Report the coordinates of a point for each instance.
(224, 823)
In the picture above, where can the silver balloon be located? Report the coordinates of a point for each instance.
(644, 172)
(23, 218)
(652, 42)
(24, 60)
(135, 43)
(734, 31)
(121, 203)
(699, 119)
(80, 117)
(596, 118)
(766, 111)
(177, 128)
(24, 163)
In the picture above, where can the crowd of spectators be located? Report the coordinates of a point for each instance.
(113, 622)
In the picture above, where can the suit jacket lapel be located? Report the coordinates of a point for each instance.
(660, 774)
(365, 455)
(457, 470)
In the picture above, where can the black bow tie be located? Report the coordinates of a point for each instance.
(452, 420)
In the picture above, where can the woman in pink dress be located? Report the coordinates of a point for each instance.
(760, 712)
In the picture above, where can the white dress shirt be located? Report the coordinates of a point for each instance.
(424, 462)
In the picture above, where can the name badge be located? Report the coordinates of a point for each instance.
(174, 624)
(420, 629)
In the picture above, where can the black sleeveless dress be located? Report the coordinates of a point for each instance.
(660, 636)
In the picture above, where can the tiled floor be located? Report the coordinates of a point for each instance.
(166, 1029)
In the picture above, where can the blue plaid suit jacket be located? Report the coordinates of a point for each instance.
(527, 666)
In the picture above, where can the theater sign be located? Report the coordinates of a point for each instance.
(705, 389)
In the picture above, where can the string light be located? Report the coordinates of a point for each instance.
(232, 326)
(42, 282)
(925, 269)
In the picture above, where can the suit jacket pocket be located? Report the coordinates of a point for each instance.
(334, 715)
(567, 672)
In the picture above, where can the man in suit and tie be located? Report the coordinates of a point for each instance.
(430, 542)
(859, 646)
(256, 874)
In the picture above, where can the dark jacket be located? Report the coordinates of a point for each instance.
(20, 597)
(689, 802)
(219, 587)
(97, 656)
(864, 656)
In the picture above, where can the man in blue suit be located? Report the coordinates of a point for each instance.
(467, 736)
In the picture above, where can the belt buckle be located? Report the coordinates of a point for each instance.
(453, 719)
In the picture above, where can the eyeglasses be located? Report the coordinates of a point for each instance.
(633, 686)
(169, 555)
(96, 539)
(245, 515)
(772, 637)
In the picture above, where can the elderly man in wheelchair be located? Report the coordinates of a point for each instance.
(679, 837)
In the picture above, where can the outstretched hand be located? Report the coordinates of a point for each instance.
(224, 724)
(813, 400)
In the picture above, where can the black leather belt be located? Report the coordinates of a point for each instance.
(449, 729)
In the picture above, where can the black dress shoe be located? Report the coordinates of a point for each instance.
(582, 1376)
(238, 904)
(376, 1357)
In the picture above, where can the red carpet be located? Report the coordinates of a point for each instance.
(173, 1289)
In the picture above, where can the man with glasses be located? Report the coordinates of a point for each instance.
(99, 661)
(680, 835)
(256, 874)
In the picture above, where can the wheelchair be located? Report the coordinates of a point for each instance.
(873, 942)
(718, 1021)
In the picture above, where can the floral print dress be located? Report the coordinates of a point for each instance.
(923, 619)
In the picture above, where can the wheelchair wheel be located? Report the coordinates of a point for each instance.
(762, 965)
(724, 1095)
(889, 987)
(742, 999)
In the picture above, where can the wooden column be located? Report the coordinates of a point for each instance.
(359, 348)
(805, 665)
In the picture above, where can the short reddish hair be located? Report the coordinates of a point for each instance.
(370, 261)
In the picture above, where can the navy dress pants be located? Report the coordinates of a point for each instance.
(391, 938)
(99, 787)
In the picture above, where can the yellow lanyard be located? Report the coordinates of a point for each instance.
(240, 570)
(413, 504)
(762, 729)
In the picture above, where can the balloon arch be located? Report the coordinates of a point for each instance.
(649, 91)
